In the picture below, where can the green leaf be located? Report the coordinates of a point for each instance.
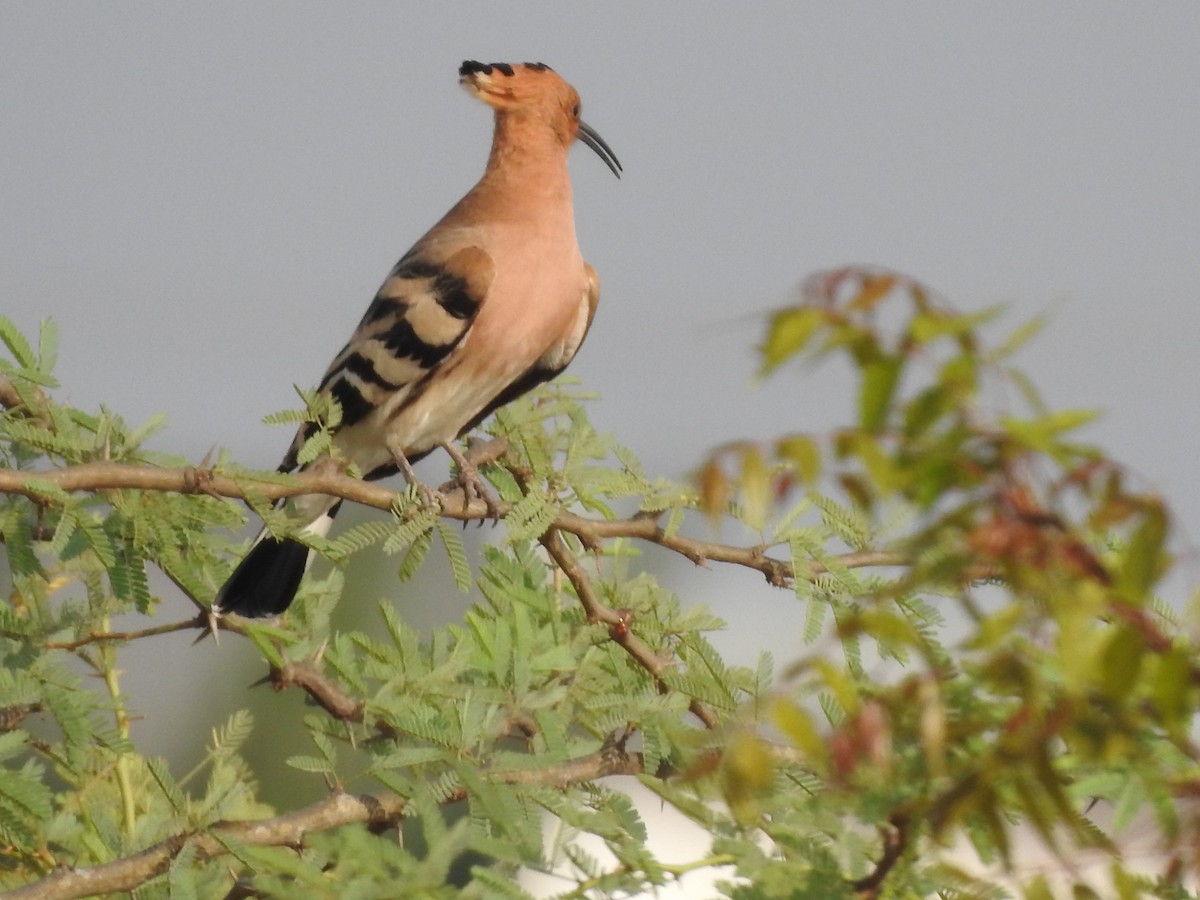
(408, 529)
(317, 445)
(16, 344)
(12, 742)
(47, 345)
(23, 791)
(1021, 336)
(788, 332)
(181, 877)
(415, 556)
(756, 488)
(932, 324)
(47, 490)
(229, 738)
(1144, 558)
(1171, 686)
(286, 417)
(409, 757)
(1121, 662)
(359, 537)
(1041, 433)
(531, 516)
(457, 554)
(879, 379)
(98, 540)
(144, 432)
(166, 783)
(306, 763)
(804, 454)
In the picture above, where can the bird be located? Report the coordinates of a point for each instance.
(492, 301)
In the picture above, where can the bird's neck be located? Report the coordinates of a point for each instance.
(527, 166)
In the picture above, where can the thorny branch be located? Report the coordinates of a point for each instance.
(104, 476)
(307, 676)
(123, 636)
(100, 476)
(379, 811)
(617, 621)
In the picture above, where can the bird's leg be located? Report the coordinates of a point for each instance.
(470, 482)
(427, 495)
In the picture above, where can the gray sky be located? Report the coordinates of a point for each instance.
(206, 196)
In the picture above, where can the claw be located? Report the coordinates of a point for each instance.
(426, 495)
(472, 484)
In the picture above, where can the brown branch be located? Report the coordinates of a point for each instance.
(325, 693)
(102, 476)
(11, 717)
(200, 621)
(10, 399)
(617, 621)
(895, 842)
(777, 572)
(379, 811)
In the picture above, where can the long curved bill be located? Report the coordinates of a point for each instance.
(588, 135)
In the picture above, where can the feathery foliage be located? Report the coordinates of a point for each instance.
(982, 650)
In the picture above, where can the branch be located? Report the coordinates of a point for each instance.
(101, 476)
(10, 399)
(895, 842)
(200, 621)
(307, 676)
(379, 811)
(617, 621)
(11, 717)
(104, 476)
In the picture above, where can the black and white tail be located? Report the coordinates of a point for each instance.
(266, 580)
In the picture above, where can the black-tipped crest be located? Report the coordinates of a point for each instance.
(472, 67)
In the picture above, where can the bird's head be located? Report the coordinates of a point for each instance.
(536, 90)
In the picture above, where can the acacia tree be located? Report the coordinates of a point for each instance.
(983, 649)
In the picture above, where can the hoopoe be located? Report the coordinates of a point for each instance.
(492, 301)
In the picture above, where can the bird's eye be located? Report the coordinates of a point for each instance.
(575, 111)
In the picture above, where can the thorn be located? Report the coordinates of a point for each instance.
(211, 625)
(319, 653)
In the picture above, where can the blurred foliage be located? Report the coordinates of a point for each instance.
(983, 650)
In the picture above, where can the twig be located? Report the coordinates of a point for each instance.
(12, 716)
(98, 637)
(378, 811)
(617, 621)
(895, 842)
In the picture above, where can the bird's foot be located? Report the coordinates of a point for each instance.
(426, 496)
(468, 477)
